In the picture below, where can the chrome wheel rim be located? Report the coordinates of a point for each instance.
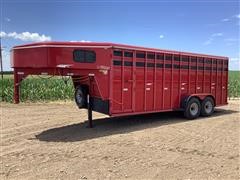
(79, 97)
(194, 109)
(208, 107)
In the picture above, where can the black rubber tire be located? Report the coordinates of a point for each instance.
(192, 109)
(207, 107)
(81, 96)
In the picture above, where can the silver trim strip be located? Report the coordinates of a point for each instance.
(127, 48)
(67, 46)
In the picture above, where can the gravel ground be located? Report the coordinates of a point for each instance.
(50, 141)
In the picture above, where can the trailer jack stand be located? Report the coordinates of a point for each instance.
(18, 77)
(90, 124)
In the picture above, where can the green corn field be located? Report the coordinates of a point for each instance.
(45, 89)
(35, 89)
(234, 84)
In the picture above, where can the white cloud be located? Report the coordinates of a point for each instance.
(217, 34)
(231, 18)
(81, 41)
(234, 63)
(212, 38)
(85, 41)
(25, 36)
(231, 39)
(234, 59)
(237, 16)
(161, 36)
(209, 41)
(7, 19)
(225, 20)
(2, 34)
(6, 60)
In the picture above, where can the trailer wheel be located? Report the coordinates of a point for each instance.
(193, 109)
(207, 108)
(81, 97)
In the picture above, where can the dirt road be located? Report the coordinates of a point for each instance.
(50, 141)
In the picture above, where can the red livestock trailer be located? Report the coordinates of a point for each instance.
(120, 80)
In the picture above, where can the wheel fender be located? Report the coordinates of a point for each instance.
(201, 97)
(186, 99)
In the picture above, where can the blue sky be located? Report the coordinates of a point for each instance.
(210, 27)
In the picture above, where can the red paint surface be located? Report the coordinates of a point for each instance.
(129, 89)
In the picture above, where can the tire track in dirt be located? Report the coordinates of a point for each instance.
(169, 148)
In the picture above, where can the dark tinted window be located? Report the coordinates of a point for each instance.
(208, 61)
(84, 56)
(220, 61)
(168, 65)
(200, 59)
(160, 56)
(117, 63)
(128, 63)
(150, 64)
(140, 64)
(168, 57)
(184, 66)
(79, 55)
(117, 53)
(150, 56)
(176, 66)
(176, 58)
(140, 55)
(90, 56)
(159, 65)
(185, 58)
(193, 67)
(128, 54)
(193, 59)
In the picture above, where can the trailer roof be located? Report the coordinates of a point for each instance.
(110, 45)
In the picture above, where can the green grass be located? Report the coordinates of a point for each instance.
(34, 89)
